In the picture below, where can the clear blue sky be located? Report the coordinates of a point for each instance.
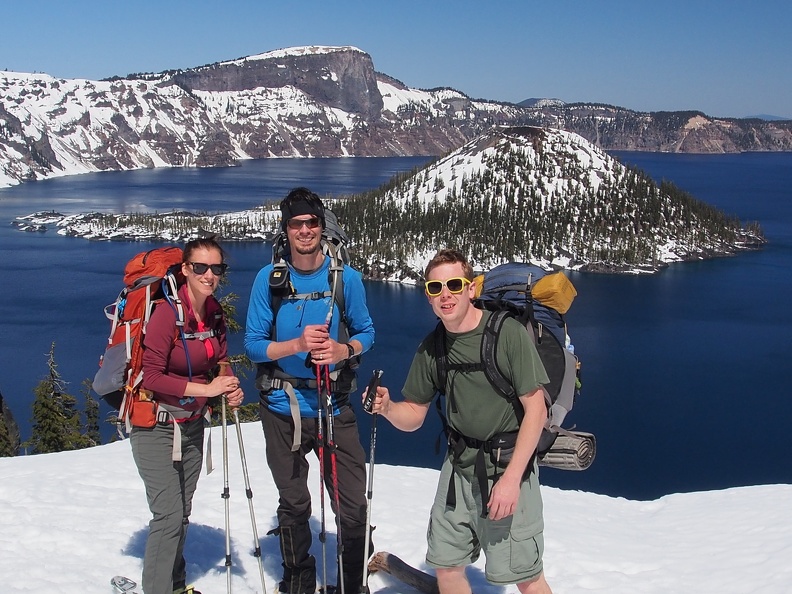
(725, 58)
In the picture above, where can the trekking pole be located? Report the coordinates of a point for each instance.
(249, 494)
(224, 370)
(368, 403)
(326, 410)
(328, 407)
(320, 438)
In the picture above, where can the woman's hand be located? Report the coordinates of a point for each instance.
(235, 398)
(223, 384)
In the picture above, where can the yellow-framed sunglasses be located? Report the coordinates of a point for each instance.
(454, 285)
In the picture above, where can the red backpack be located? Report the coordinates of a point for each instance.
(149, 278)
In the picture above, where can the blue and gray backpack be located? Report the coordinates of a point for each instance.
(538, 299)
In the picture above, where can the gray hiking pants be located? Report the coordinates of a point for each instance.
(169, 489)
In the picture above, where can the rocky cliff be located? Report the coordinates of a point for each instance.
(301, 102)
(616, 128)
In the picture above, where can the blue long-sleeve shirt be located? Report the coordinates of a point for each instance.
(292, 318)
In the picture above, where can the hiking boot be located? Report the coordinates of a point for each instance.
(336, 590)
(299, 567)
(283, 588)
(354, 549)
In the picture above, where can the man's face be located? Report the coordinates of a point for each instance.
(304, 233)
(451, 308)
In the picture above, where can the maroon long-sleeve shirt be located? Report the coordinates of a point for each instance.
(165, 370)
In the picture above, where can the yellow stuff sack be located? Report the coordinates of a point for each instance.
(554, 290)
(478, 282)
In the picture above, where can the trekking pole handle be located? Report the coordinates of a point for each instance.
(224, 369)
(371, 390)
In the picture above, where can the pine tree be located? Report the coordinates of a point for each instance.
(9, 432)
(92, 434)
(56, 421)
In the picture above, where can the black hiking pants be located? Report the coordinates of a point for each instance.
(290, 473)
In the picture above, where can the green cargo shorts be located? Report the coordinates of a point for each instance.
(513, 547)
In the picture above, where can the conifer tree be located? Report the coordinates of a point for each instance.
(56, 421)
(5, 441)
(9, 432)
(92, 434)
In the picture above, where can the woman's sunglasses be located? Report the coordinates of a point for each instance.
(454, 285)
(200, 268)
(295, 224)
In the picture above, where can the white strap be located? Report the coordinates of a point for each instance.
(176, 453)
(147, 309)
(294, 407)
(208, 420)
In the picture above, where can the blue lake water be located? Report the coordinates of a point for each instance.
(683, 372)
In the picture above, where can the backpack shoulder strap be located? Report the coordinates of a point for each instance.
(442, 363)
(489, 349)
(279, 292)
(441, 360)
(441, 357)
(336, 277)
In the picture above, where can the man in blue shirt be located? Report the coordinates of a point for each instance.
(293, 324)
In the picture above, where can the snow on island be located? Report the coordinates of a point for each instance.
(258, 224)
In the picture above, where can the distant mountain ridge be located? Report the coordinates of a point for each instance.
(768, 117)
(312, 101)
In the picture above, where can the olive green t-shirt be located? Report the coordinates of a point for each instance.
(473, 407)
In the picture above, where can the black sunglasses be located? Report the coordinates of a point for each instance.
(201, 268)
(295, 224)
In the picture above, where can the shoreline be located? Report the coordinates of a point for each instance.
(247, 225)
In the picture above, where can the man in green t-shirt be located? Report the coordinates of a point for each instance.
(505, 522)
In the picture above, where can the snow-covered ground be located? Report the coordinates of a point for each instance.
(72, 520)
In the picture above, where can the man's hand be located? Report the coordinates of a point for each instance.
(503, 499)
(313, 337)
(381, 402)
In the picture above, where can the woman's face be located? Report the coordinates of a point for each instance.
(201, 279)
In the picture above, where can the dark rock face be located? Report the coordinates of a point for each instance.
(341, 79)
(615, 128)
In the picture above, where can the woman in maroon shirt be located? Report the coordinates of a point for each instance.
(177, 368)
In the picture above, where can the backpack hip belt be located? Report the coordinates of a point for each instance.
(167, 414)
(270, 377)
(500, 448)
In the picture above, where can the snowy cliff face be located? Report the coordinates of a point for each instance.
(300, 102)
(343, 79)
(313, 101)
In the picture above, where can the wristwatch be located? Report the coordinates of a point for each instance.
(351, 350)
